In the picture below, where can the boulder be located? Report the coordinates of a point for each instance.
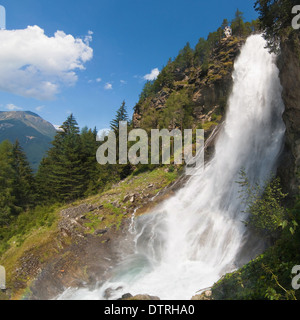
(206, 295)
(140, 297)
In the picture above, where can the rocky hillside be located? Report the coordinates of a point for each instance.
(206, 90)
(33, 133)
(76, 244)
(209, 89)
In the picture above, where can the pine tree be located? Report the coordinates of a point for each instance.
(147, 91)
(89, 163)
(122, 170)
(68, 169)
(62, 170)
(8, 207)
(121, 115)
(202, 52)
(238, 25)
(43, 182)
(178, 111)
(165, 78)
(225, 24)
(275, 19)
(185, 58)
(24, 180)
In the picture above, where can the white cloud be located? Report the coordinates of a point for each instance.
(123, 82)
(35, 65)
(152, 75)
(12, 107)
(98, 80)
(39, 108)
(108, 86)
(88, 38)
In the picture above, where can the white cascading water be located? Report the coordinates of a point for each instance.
(198, 235)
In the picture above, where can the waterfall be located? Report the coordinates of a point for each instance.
(198, 235)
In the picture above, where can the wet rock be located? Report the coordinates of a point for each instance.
(141, 297)
(126, 296)
(99, 232)
(110, 291)
(206, 295)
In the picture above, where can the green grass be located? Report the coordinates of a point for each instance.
(25, 223)
(36, 231)
(111, 215)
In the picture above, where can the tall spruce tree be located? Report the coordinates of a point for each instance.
(62, 170)
(238, 25)
(8, 207)
(202, 53)
(44, 191)
(24, 179)
(275, 20)
(121, 115)
(89, 163)
(224, 24)
(185, 58)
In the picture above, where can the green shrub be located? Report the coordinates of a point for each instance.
(264, 205)
(41, 216)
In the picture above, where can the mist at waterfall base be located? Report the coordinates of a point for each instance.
(198, 235)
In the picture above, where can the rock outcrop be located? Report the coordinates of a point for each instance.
(139, 297)
(210, 88)
(289, 66)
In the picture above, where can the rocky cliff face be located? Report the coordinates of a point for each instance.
(209, 89)
(289, 66)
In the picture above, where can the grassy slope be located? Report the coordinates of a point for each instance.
(34, 245)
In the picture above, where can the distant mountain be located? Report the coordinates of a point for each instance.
(33, 133)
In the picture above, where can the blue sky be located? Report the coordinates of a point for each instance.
(113, 45)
